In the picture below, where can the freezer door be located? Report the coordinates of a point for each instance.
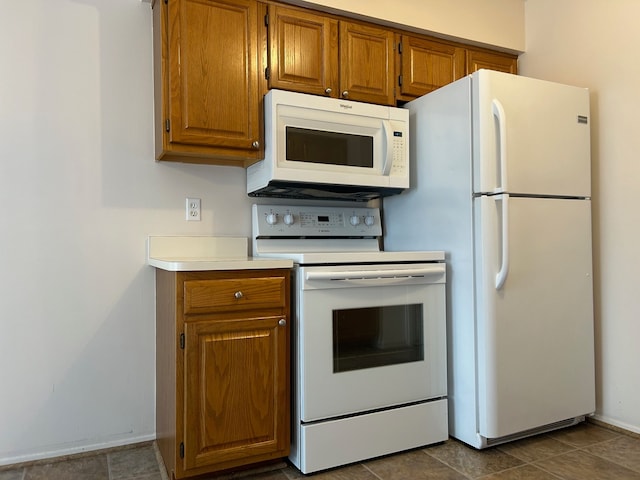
(535, 331)
(530, 136)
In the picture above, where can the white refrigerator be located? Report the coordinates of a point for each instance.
(501, 182)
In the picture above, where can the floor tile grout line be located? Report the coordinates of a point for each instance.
(109, 466)
(164, 475)
(371, 471)
(583, 450)
(536, 463)
(425, 451)
(555, 475)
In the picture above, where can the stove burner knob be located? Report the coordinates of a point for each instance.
(354, 220)
(369, 220)
(288, 219)
(272, 218)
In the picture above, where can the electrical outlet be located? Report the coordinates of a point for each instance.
(193, 209)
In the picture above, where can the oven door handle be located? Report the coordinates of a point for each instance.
(394, 274)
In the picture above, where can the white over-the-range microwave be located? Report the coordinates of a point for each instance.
(318, 147)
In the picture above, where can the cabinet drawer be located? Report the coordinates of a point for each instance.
(202, 296)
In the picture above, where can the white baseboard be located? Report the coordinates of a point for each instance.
(617, 423)
(54, 451)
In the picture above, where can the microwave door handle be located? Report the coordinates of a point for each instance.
(388, 158)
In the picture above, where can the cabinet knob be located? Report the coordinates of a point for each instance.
(328, 90)
(282, 322)
(345, 94)
(256, 144)
(238, 295)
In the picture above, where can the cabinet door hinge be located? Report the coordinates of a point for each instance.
(266, 20)
(399, 47)
(181, 449)
(182, 341)
(167, 125)
(267, 73)
(399, 80)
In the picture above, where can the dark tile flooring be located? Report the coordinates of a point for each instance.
(584, 452)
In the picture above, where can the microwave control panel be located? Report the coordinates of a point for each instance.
(399, 164)
(314, 221)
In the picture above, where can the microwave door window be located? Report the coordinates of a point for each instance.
(329, 148)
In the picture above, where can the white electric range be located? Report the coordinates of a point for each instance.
(368, 335)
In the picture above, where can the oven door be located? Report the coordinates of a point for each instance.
(369, 337)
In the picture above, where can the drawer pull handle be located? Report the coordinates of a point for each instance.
(238, 295)
(282, 322)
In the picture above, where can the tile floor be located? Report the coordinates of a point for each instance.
(583, 452)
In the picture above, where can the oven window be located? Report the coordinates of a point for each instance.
(316, 146)
(377, 336)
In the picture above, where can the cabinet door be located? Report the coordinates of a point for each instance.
(477, 59)
(426, 65)
(366, 63)
(236, 391)
(213, 75)
(303, 51)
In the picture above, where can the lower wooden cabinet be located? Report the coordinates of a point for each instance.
(222, 356)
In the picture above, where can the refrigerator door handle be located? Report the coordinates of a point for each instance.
(498, 112)
(501, 277)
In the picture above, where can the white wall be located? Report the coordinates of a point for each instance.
(491, 22)
(594, 44)
(79, 193)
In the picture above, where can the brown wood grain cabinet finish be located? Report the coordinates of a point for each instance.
(311, 52)
(235, 400)
(223, 373)
(210, 102)
(303, 51)
(367, 70)
(234, 294)
(426, 65)
(502, 62)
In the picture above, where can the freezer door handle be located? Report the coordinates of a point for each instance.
(498, 112)
(501, 277)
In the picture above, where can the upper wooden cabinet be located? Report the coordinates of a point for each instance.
(314, 53)
(209, 83)
(425, 65)
(503, 62)
(366, 63)
(303, 51)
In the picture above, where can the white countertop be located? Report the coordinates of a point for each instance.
(200, 253)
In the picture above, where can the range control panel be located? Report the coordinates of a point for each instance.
(314, 221)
